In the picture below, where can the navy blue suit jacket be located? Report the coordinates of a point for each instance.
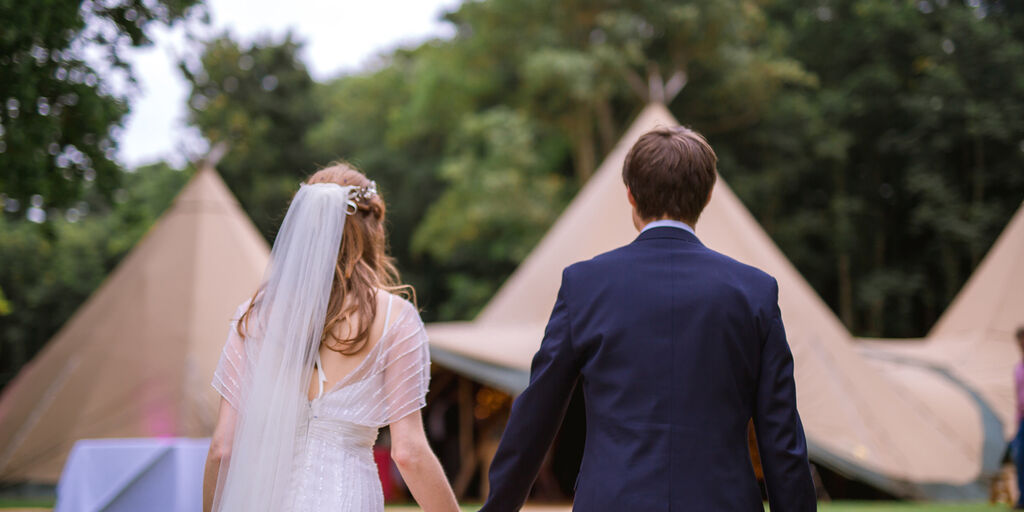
(676, 348)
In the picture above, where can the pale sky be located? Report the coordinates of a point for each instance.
(341, 36)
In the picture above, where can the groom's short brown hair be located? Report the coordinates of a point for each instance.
(670, 171)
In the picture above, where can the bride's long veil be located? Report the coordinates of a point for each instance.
(284, 332)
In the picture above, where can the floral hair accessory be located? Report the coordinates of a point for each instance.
(363, 194)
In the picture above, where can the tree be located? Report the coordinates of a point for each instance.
(501, 198)
(394, 122)
(886, 184)
(442, 125)
(388, 123)
(587, 67)
(258, 101)
(58, 116)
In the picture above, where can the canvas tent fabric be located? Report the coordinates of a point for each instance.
(858, 420)
(973, 341)
(135, 360)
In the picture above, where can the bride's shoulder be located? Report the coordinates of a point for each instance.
(401, 308)
(241, 309)
(247, 320)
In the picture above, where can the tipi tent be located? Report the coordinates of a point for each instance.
(858, 421)
(136, 359)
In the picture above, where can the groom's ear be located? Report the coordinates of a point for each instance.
(629, 195)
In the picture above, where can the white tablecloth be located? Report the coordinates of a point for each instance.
(131, 475)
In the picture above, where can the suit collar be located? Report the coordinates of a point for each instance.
(668, 232)
(668, 223)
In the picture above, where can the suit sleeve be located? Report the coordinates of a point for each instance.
(536, 414)
(780, 435)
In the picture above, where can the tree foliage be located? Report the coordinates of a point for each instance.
(58, 111)
(889, 181)
(500, 195)
(497, 127)
(257, 100)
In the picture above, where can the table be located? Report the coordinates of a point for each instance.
(114, 475)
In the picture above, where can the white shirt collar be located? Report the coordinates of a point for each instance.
(668, 223)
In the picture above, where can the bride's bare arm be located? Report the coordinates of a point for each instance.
(220, 451)
(419, 466)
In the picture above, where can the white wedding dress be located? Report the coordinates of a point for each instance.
(334, 468)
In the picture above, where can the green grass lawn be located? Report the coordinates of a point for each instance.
(25, 503)
(873, 506)
(908, 507)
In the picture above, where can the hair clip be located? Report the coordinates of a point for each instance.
(363, 194)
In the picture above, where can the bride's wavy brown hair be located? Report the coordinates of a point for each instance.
(364, 266)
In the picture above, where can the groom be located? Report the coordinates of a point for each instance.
(676, 348)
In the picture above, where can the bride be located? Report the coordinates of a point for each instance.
(321, 357)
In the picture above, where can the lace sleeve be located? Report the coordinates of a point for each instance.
(231, 369)
(406, 359)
